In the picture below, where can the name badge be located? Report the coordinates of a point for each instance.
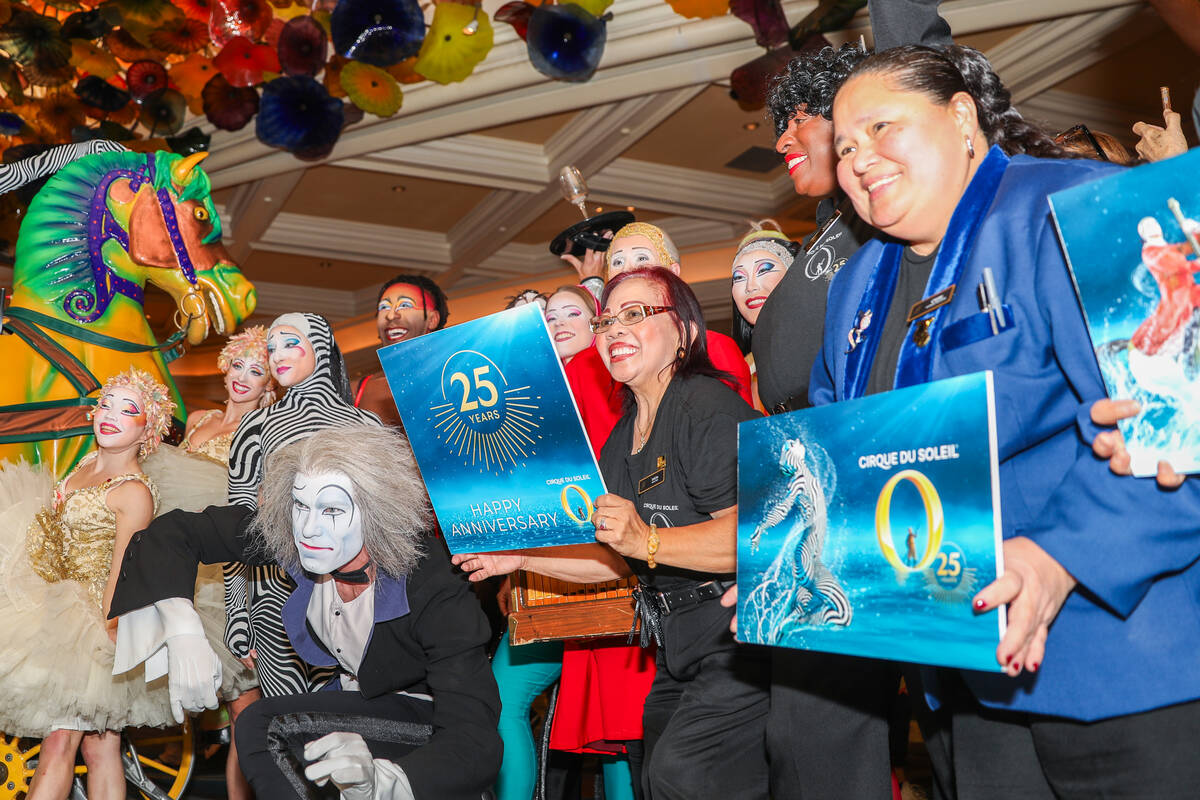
(930, 304)
(653, 479)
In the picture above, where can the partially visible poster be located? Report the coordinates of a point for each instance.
(1132, 241)
(867, 526)
(496, 434)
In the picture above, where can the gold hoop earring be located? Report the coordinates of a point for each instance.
(970, 147)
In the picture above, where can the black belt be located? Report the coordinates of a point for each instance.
(650, 605)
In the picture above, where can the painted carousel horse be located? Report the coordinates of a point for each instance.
(101, 228)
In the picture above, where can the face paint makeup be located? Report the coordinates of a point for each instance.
(326, 521)
(119, 420)
(290, 355)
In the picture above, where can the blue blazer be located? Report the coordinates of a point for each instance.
(1128, 638)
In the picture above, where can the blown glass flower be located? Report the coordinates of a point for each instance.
(459, 38)
(302, 46)
(371, 89)
(298, 114)
(227, 106)
(243, 63)
(99, 93)
(379, 32)
(565, 42)
(144, 77)
(699, 9)
(163, 112)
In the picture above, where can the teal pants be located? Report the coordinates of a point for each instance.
(523, 673)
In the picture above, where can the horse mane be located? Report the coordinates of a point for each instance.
(53, 243)
(54, 252)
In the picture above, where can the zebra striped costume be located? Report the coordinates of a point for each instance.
(817, 596)
(254, 596)
(15, 175)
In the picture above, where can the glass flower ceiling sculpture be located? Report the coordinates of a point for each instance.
(142, 70)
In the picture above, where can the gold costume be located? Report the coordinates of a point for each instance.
(215, 449)
(73, 539)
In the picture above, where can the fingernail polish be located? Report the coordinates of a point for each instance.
(980, 603)
(1008, 659)
(1017, 666)
(1034, 666)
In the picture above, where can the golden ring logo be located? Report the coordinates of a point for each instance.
(934, 521)
(586, 507)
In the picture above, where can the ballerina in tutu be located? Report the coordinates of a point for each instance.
(59, 571)
(195, 475)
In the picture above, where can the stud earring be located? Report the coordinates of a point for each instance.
(680, 354)
(970, 147)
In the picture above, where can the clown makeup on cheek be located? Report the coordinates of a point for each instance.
(326, 521)
(755, 275)
(119, 420)
(290, 355)
(246, 380)
(568, 321)
(404, 312)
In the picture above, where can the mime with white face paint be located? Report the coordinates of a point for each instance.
(414, 709)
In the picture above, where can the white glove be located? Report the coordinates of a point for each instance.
(193, 674)
(193, 671)
(344, 759)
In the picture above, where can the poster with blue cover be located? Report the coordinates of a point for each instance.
(866, 527)
(497, 437)
(1132, 241)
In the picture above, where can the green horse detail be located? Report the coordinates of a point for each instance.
(101, 229)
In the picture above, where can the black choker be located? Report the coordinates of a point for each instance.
(353, 575)
(348, 576)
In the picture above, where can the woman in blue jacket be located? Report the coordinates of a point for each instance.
(1101, 572)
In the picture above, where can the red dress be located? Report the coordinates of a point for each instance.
(604, 683)
(727, 356)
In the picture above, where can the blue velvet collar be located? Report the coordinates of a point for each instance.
(391, 601)
(916, 363)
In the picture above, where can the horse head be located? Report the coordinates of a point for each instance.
(107, 224)
(175, 234)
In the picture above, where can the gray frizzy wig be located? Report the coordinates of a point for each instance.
(387, 490)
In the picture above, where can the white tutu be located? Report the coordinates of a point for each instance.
(56, 666)
(183, 480)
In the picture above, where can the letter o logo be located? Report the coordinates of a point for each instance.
(933, 519)
(566, 504)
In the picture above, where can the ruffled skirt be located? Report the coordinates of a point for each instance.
(56, 662)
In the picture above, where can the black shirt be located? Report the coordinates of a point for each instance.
(787, 337)
(686, 470)
(910, 288)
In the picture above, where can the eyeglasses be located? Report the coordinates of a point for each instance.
(630, 315)
(1081, 132)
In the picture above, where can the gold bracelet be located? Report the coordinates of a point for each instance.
(652, 546)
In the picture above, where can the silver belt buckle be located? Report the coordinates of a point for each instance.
(660, 599)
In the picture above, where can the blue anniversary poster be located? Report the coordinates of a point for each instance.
(865, 527)
(1133, 244)
(496, 435)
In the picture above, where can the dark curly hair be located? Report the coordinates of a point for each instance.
(425, 285)
(940, 73)
(809, 82)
